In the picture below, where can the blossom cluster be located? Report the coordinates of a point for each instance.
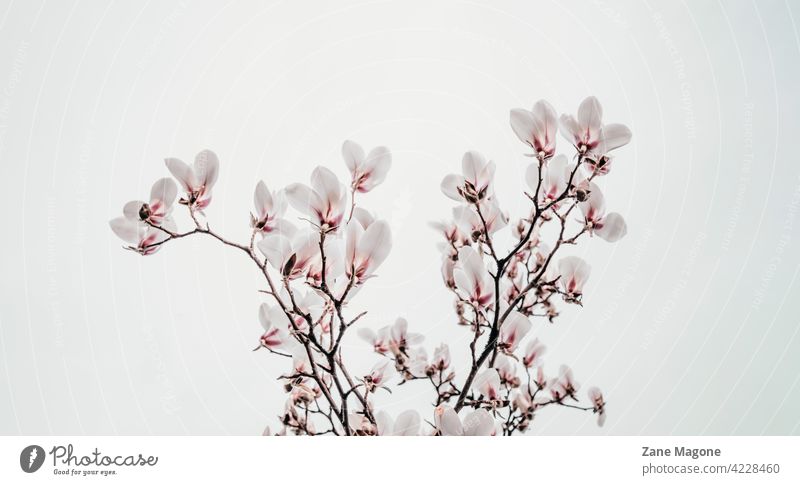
(316, 261)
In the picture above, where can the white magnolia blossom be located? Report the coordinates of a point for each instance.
(367, 170)
(472, 278)
(476, 423)
(537, 128)
(475, 181)
(366, 248)
(610, 227)
(270, 209)
(513, 330)
(407, 423)
(316, 247)
(197, 179)
(324, 202)
(574, 272)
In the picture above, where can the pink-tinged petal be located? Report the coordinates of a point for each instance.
(281, 226)
(353, 156)
(574, 273)
(367, 334)
(206, 168)
(375, 245)
(353, 233)
(277, 249)
(488, 384)
(264, 316)
(131, 210)
(479, 423)
(523, 125)
(363, 216)
(450, 185)
(183, 173)
(547, 123)
(614, 135)
(514, 329)
(407, 424)
(127, 229)
(613, 228)
(533, 353)
(593, 208)
(384, 423)
(263, 200)
(164, 191)
(473, 165)
(570, 129)
(590, 116)
(447, 421)
(376, 168)
(472, 278)
(305, 200)
(325, 183)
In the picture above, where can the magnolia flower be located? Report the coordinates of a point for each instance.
(270, 208)
(590, 136)
(380, 373)
(441, 357)
(379, 340)
(400, 338)
(522, 399)
(472, 278)
(448, 265)
(300, 361)
(574, 273)
(468, 220)
(533, 353)
(612, 137)
(513, 330)
(488, 384)
(541, 380)
(366, 249)
(367, 170)
(291, 257)
(451, 232)
(477, 423)
(406, 424)
(144, 239)
(474, 184)
(416, 361)
(610, 227)
(584, 132)
(507, 370)
(325, 201)
(162, 196)
(272, 319)
(537, 128)
(554, 179)
(197, 180)
(564, 386)
(596, 397)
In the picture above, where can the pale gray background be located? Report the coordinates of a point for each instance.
(690, 323)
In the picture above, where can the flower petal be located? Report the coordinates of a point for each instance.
(353, 156)
(613, 228)
(206, 168)
(407, 423)
(182, 172)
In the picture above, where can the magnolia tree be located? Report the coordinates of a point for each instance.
(314, 266)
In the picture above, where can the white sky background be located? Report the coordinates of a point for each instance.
(689, 323)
